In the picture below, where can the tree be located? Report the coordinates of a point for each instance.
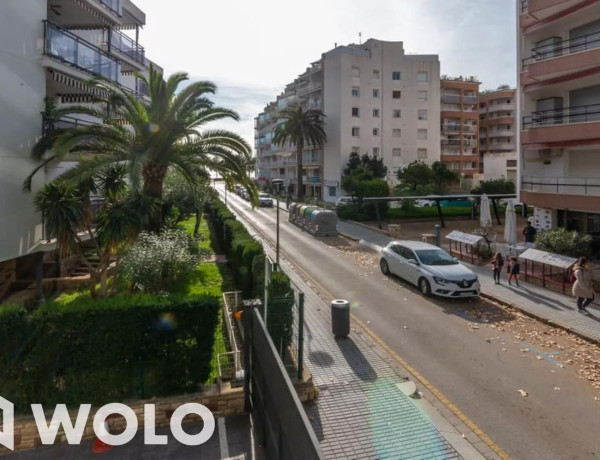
(416, 174)
(161, 133)
(495, 186)
(442, 176)
(372, 164)
(300, 128)
(70, 218)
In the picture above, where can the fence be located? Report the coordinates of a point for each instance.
(229, 358)
(280, 421)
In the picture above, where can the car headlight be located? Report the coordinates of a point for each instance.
(441, 281)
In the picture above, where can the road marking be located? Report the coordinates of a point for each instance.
(547, 356)
(223, 438)
(438, 394)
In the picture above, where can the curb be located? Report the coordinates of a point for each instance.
(345, 235)
(368, 227)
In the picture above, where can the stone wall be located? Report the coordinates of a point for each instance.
(227, 401)
(8, 275)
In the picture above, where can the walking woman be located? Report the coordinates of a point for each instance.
(514, 268)
(497, 264)
(583, 288)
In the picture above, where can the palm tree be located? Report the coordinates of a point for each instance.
(160, 133)
(301, 127)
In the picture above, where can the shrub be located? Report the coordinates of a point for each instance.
(561, 241)
(156, 262)
(280, 310)
(106, 350)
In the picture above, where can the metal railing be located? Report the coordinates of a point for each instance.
(524, 5)
(115, 6)
(229, 362)
(65, 122)
(566, 115)
(562, 185)
(564, 47)
(124, 44)
(68, 47)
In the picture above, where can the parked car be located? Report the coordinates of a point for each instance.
(344, 200)
(430, 268)
(265, 200)
(424, 203)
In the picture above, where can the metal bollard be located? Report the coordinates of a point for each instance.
(438, 235)
(340, 318)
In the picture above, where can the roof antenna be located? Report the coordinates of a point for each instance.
(360, 38)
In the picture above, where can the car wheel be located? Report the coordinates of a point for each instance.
(424, 287)
(385, 269)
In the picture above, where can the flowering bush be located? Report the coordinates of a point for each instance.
(156, 262)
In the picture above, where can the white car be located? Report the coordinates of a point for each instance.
(424, 203)
(265, 200)
(430, 268)
(344, 200)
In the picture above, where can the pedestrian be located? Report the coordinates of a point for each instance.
(514, 268)
(497, 264)
(529, 232)
(288, 201)
(583, 288)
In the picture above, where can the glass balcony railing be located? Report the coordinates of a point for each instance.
(115, 6)
(50, 123)
(120, 42)
(68, 47)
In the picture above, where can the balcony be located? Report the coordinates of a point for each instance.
(501, 107)
(501, 146)
(66, 122)
(68, 48)
(115, 6)
(571, 124)
(579, 193)
(309, 88)
(469, 99)
(561, 58)
(451, 98)
(500, 133)
(122, 44)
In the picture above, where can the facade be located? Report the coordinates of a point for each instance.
(47, 50)
(498, 134)
(376, 99)
(459, 126)
(559, 103)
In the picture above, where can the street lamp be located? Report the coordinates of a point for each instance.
(277, 182)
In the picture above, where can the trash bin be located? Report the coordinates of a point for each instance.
(340, 318)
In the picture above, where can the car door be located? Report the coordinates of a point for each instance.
(412, 271)
(400, 261)
(392, 257)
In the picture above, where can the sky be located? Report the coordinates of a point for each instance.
(252, 48)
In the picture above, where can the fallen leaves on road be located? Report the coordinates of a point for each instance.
(523, 393)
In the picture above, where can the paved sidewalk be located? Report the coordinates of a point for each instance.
(531, 298)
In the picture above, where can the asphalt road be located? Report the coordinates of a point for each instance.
(558, 419)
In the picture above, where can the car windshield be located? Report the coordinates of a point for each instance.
(264, 195)
(435, 257)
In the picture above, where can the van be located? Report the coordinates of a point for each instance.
(343, 200)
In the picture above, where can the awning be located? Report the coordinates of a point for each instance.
(547, 258)
(466, 238)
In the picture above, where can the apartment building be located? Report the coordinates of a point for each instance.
(459, 126)
(377, 99)
(559, 103)
(498, 134)
(48, 49)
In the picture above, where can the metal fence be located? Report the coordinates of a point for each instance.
(229, 357)
(282, 426)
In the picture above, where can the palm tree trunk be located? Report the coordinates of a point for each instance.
(300, 191)
(198, 220)
(154, 175)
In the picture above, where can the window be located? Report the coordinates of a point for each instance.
(396, 132)
(421, 153)
(355, 149)
(375, 152)
(396, 94)
(375, 131)
(376, 113)
(331, 191)
(376, 74)
(396, 152)
(422, 115)
(355, 91)
(422, 77)
(422, 134)
(355, 112)
(281, 171)
(395, 75)
(511, 163)
(355, 72)
(422, 95)
(396, 113)
(375, 93)
(355, 132)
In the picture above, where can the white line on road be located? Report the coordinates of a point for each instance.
(223, 438)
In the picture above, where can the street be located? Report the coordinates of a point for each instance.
(475, 353)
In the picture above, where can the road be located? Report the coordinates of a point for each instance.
(456, 346)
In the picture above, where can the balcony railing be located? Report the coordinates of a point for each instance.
(524, 5)
(562, 185)
(119, 41)
(552, 50)
(567, 115)
(451, 98)
(68, 47)
(115, 6)
(65, 122)
(469, 99)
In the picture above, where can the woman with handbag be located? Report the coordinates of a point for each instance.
(583, 288)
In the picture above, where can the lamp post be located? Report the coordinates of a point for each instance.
(277, 182)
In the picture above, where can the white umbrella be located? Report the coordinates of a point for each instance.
(485, 215)
(510, 226)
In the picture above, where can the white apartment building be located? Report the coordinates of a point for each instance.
(48, 48)
(376, 99)
(559, 104)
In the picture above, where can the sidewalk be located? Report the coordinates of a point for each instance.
(533, 299)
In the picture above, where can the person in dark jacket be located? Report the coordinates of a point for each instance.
(497, 264)
(514, 268)
(529, 232)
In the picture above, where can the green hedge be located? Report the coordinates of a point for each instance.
(106, 350)
(429, 211)
(241, 249)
